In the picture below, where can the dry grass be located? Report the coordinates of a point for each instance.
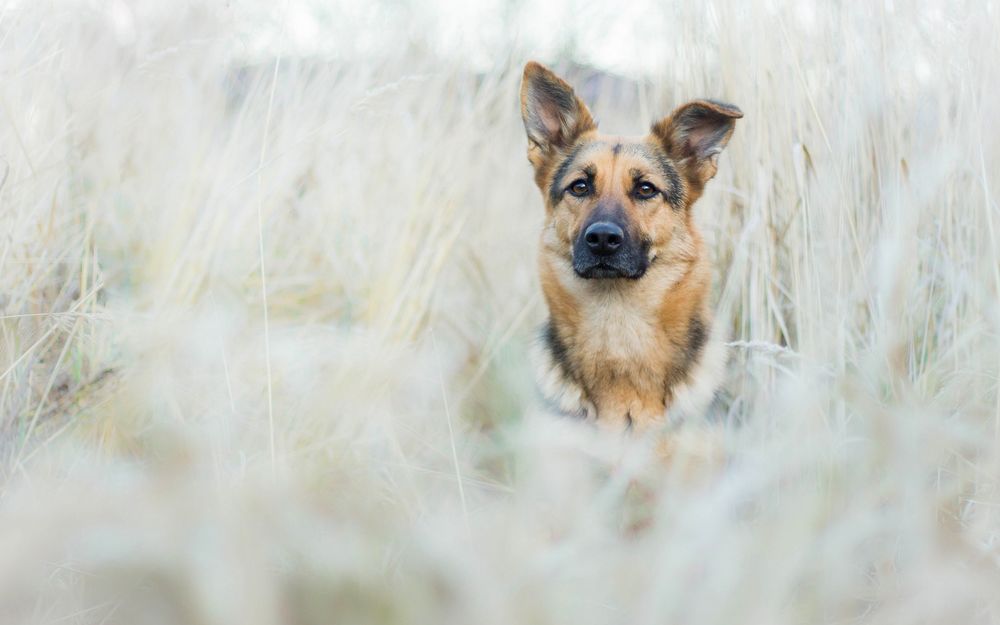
(358, 440)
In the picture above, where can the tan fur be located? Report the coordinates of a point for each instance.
(627, 345)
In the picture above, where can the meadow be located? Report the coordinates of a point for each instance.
(268, 290)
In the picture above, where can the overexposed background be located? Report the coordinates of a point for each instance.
(267, 288)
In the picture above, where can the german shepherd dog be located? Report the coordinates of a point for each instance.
(629, 340)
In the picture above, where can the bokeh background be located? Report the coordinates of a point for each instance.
(267, 293)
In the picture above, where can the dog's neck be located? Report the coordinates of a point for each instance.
(618, 350)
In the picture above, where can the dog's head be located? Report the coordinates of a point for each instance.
(615, 205)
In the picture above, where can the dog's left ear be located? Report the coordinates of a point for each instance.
(694, 135)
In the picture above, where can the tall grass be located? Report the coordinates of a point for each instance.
(265, 315)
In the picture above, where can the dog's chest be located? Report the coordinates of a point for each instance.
(622, 361)
(619, 338)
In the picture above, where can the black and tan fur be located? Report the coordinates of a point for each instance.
(623, 268)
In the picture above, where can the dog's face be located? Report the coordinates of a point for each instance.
(615, 205)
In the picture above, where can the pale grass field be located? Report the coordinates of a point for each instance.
(357, 439)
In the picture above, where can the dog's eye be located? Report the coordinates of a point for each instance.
(579, 188)
(644, 191)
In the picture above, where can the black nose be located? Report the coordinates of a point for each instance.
(603, 238)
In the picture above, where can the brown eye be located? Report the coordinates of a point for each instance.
(644, 190)
(579, 188)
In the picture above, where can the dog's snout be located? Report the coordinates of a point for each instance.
(604, 238)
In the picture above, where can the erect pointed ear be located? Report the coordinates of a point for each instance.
(694, 135)
(553, 116)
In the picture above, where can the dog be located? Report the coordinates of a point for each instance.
(629, 342)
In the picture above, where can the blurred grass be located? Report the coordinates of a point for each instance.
(412, 477)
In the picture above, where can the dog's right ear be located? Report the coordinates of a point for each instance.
(553, 116)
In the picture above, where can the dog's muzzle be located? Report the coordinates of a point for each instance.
(604, 250)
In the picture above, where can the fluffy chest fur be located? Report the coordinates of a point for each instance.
(621, 357)
(617, 340)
